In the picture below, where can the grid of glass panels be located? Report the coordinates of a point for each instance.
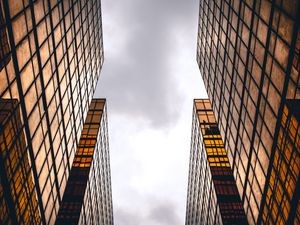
(199, 183)
(56, 56)
(248, 55)
(88, 196)
(4, 47)
(18, 199)
(212, 193)
(283, 190)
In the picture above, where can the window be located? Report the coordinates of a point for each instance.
(4, 46)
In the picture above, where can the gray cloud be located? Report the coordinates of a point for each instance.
(164, 214)
(142, 78)
(161, 213)
(138, 74)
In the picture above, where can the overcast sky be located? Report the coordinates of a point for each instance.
(150, 78)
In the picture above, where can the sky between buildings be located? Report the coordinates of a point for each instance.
(150, 78)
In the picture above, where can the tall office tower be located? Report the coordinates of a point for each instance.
(248, 55)
(87, 198)
(51, 54)
(213, 197)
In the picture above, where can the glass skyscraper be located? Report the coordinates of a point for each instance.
(87, 198)
(212, 197)
(51, 55)
(248, 55)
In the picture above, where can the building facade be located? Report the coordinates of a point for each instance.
(282, 192)
(51, 55)
(212, 197)
(18, 199)
(248, 55)
(87, 198)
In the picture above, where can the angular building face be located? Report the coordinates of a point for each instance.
(248, 55)
(87, 198)
(51, 55)
(213, 197)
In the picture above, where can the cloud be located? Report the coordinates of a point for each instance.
(140, 39)
(149, 78)
(162, 213)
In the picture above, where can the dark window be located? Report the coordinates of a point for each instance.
(212, 130)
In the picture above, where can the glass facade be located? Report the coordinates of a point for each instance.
(51, 55)
(87, 198)
(18, 200)
(283, 188)
(248, 55)
(213, 197)
(4, 48)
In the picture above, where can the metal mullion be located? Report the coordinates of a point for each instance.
(211, 52)
(83, 53)
(203, 194)
(100, 34)
(43, 94)
(88, 189)
(294, 202)
(245, 78)
(276, 169)
(7, 193)
(224, 55)
(234, 72)
(258, 101)
(98, 185)
(8, 88)
(190, 176)
(105, 164)
(89, 47)
(27, 174)
(282, 103)
(209, 197)
(204, 36)
(59, 86)
(22, 103)
(23, 38)
(23, 10)
(96, 43)
(68, 71)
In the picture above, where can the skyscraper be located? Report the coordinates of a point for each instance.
(212, 197)
(51, 55)
(248, 55)
(87, 198)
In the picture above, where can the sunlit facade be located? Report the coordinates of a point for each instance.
(88, 199)
(248, 55)
(213, 197)
(51, 55)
